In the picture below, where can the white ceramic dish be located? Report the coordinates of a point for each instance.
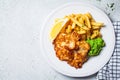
(94, 64)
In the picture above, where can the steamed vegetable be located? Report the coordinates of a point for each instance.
(96, 46)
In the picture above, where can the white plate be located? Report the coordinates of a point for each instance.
(94, 64)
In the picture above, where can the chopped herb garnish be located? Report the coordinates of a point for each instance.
(111, 5)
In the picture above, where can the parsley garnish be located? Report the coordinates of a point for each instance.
(111, 5)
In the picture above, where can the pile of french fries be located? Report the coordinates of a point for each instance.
(83, 24)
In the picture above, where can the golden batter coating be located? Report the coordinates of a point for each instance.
(71, 48)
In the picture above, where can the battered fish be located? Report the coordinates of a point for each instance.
(71, 48)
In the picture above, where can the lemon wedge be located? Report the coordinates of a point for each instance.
(59, 24)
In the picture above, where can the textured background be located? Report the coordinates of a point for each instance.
(20, 23)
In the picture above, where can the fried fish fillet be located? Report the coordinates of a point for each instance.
(71, 48)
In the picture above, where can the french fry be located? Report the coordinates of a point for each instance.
(89, 15)
(79, 24)
(97, 24)
(81, 20)
(82, 32)
(87, 21)
(95, 34)
(83, 24)
(96, 27)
